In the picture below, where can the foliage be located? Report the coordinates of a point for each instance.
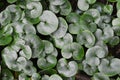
(55, 39)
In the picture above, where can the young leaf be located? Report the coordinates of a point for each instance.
(35, 44)
(7, 75)
(59, 43)
(74, 50)
(48, 24)
(34, 9)
(83, 5)
(47, 63)
(100, 76)
(86, 38)
(62, 28)
(67, 69)
(110, 67)
(55, 77)
(90, 70)
(11, 1)
(94, 54)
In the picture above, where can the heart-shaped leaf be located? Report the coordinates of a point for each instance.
(74, 50)
(90, 70)
(67, 69)
(47, 62)
(94, 54)
(59, 43)
(86, 38)
(34, 9)
(48, 24)
(110, 67)
(100, 76)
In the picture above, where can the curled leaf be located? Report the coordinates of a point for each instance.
(73, 50)
(86, 38)
(59, 43)
(62, 28)
(94, 54)
(47, 62)
(34, 9)
(110, 67)
(67, 69)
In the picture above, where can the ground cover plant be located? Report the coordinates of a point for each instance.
(60, 39)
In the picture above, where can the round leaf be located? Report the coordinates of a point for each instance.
(86, 38)
(47, 63)
(83, 5)
(48, 24)
(59, 43)
(55, 77)
(73, 50)
(67, 69)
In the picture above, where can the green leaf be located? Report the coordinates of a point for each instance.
(100, 76)
(47, 63)
(73, 50)
(86, 38)
(5, 17)
(110, 67)
(91, 1)
(114, 41)
(118, 5)
(34, 9)
(26, 51)
(57, 2)
(118, 13)
(48, 24)
(115, 22)
(55, 77)
(82, 5)
(73, 17)
(108, 9)
(93, 12)
(104, 35)
(48, 47)
(116, 30)
(67, 69)
(29, 69)
(94, 54)
(36, 76)
(45, 77)
(15, 12)
(11, 1)
(59, 43)
(35, 44)
(7, 75)
(62, 28)
(66, 8)
(5, 40)
(90, 70)
(112, 0)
